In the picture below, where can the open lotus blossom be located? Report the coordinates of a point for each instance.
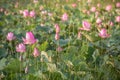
(103, 33)
(108, 7)
(74, 5)
(86, 26)
(98, 5)
(64, 17)
(98, 21)
(93, 9)
(25, 13)
(30, 39)
(35, 1)
(117, 18)
(88, 12)
(10, 36)
(57, 37)
(32, 14)
(20, 48)
(118, 4)
(36, 52)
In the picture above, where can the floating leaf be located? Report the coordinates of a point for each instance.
(43, 46)
(62, 42)
(2, 63)
(51, 67)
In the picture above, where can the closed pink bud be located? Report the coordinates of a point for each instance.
(57, 28)
(26, 69)
(86, 26)
(59, 49)
(98, 21)
(36, 52)
(93, 9)
(118, 4)
(20, 48)
(103, 33)
(111, 23)
(108, 7)
(20, 58)
(79, 35)
(118, 19)
(57, 37)
(16, 5)
(1, 9)
(25, 13)
(64, 17)
(10, 36)
(30, 39)
(32, 13)
(96, 14)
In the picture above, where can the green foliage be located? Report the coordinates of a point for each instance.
(72, 57)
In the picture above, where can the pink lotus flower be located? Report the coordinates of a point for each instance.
(1, 9)
(103, 33)
(93, 9)
(96, 14)
(35, 1)
(86, 26)
(50, 14)
(74, 5)
(98, 5)
(118, 4)
(88, 12)
(32, 14)
(29, 38)
(79, 35)
(98, 21)
(57, 37)
(59, 49)
(57, 28)
(25, 13)
(108, 7)
(64, 17)
(44, 12)
(10, 36)
(117, 18)
(20, 48)
(111, 23)
(36, 52)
